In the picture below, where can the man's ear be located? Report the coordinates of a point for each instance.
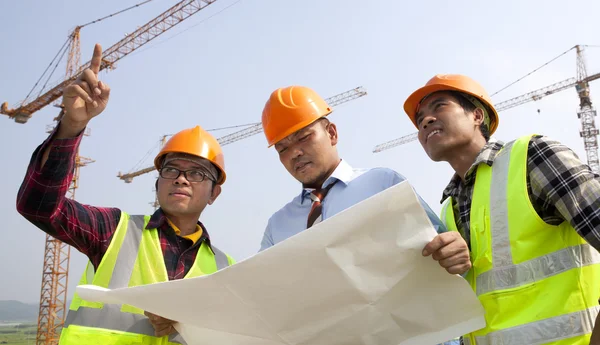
(479, 116)
(216, 191)
(333, 133)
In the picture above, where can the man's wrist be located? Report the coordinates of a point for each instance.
(69, 129)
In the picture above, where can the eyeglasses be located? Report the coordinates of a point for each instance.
(193, 175)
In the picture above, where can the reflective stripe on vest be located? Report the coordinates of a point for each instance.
(511, 276)
(127, 253)
(505, 274)
(110, 316)
(220, 258)
(543, 331)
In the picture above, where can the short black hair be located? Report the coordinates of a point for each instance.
(468, 106)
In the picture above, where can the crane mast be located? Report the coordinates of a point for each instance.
(57, 255)
(586, 114)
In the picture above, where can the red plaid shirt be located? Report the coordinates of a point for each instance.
(42, 200)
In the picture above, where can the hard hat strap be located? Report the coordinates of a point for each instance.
(477, 103)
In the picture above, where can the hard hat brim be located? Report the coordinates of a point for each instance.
(412, 102)
(296, 128)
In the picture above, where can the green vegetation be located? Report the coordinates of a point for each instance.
(18, 323)
(23, 334)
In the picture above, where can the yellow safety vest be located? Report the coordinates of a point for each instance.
(538, 283)
(134, 257)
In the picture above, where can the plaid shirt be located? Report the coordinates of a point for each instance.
(561, 187)
(42, 201)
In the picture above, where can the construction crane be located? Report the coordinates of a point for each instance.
(144, 34)
(586, 112)
(55, 273)
(251, 130)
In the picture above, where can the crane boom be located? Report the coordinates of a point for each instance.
(536, 95)
(257, 128)
(511, 103)
(154, 28)
(128, 178)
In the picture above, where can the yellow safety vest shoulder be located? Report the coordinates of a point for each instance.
(538, 283)
(134, 257)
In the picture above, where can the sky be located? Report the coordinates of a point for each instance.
(218, 68)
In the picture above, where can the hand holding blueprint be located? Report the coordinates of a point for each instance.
(356, 278)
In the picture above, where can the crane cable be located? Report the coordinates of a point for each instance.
(528, 74)
(65, 47)
(50, 64)
(230, 127)
(114, 14)
(55, 66)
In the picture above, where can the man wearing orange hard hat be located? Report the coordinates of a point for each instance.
(295, 122)
(529, 210)
(125, 250)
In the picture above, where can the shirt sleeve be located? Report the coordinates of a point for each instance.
(42, 201)
(564, 187)
(267, 240)
(435, 220)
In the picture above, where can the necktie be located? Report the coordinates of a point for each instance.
(317, 196)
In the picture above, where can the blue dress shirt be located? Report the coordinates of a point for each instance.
(354, 185)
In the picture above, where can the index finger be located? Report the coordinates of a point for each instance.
(438, 242)
(96, 59)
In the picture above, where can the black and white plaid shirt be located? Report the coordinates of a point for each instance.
(561, 187)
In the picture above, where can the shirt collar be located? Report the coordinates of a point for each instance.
(487, 155)
(343, 172)
(159, 221)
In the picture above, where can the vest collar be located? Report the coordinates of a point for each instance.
(487, 155)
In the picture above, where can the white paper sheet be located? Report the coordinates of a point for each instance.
(355, 278)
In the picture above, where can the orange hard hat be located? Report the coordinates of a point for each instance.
(197, 142)
(452, 82)
(290, 109)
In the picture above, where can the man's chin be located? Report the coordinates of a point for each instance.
(436, 155)
(302, 178)
(309, 182)
(175, 209)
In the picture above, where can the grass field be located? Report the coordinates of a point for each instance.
(23, 334)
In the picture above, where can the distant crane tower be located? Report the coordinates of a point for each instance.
(586, 112)
(53, 297)
(251, 130)
(57, 255)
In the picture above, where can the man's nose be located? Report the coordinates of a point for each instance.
(427, 121)
(181, 179)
